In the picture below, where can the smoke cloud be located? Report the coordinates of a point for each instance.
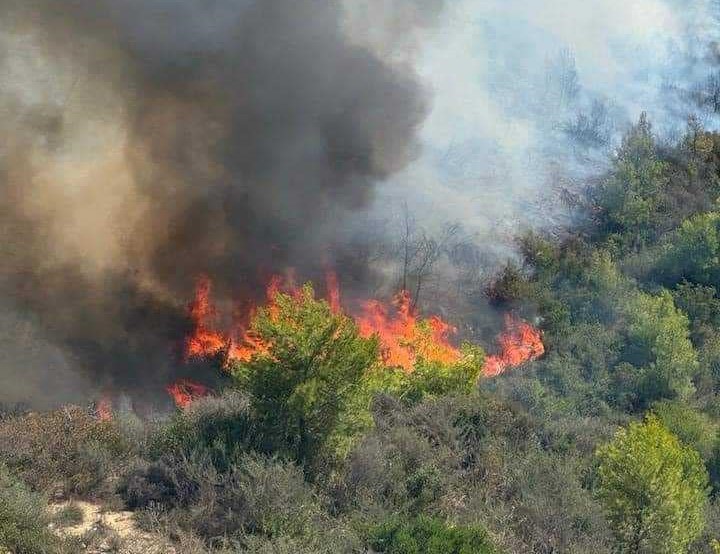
(532, 97)
(147, 143)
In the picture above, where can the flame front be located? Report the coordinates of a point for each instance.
(204, 341)
(520, 343)
(184, 392)
(402, 337)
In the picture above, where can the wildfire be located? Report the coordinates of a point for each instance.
(184, 392)
(204, 341)
(520, 343)
(402, 337)
(333, 291)
(207, 342)
(103, 408)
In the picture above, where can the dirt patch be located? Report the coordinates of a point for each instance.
(110, 532)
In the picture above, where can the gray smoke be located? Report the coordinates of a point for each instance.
(148, 142)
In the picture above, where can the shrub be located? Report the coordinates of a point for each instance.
(426, 535)
(307, 391)
(67, 448)
(214, 426)
(166, 483)
(255, 496)
(23, 520)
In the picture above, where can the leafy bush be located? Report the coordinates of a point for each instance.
(307, 392)
(432, 379)
(654, 489)
(23, 520)
(255, 496)
(426, 535)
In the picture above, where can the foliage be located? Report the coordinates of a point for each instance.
(23, 520)
(314, 368)
(430, 379)
(653, 488)
(429, 536)
(631, 196)
(693, 427)
(658, 344)
(216, 427)
(256, 497)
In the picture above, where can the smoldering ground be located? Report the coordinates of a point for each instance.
(146, 143)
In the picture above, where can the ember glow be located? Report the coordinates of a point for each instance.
(185, 392)
(520, 343)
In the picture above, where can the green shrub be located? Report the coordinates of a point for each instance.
(307, 392)
(426, 535)
(23, 520)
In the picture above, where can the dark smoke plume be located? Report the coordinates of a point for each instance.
(147, 142)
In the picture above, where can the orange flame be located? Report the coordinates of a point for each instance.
(241, 344)
(185, 392)
(103, 408)
(204, 341)
(402, 338)
(520, 343)
(333, 291)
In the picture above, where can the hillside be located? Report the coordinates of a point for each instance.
(320, 440)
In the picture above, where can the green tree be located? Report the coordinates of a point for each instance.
(307, 391)
(658, 338)
(654, 489)
(692, 427)
(693, 251)
(630, 200)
